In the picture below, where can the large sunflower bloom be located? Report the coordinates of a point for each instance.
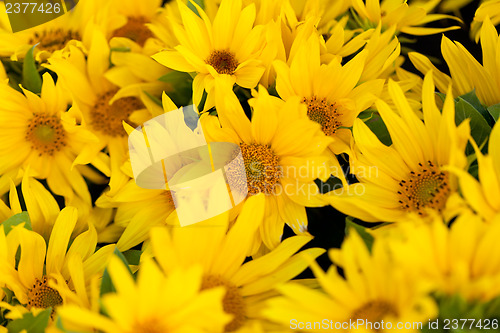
(37, 132)
(332, 103)
(228, 46)
(408, 176)
(222, 254)
(51, 276)
(461, 259)
(155, 302)
(104, 106)
(283, 152)
(467, 73)
(374, 290)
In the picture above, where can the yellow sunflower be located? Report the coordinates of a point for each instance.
(139, 209)
(484, 195)
(104, 105)
(461, 259)
(408, 176)
(283, 152)
(331, 92)
(488, 9)
(375, 295)
(155, 302)
(53, 37)
(37, 132)
(49, 276)
(222, 255)
(229, 46)
(407, 17)
(467, 73)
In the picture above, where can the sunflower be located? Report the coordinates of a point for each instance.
(375, 291)
(283, 152)
(467, 73)
(51, 276)
(229, 46)
(334, 104)
(140, 26)
(139, 209)
(154, 303)
(487, 9)
(407, 17)
(53, 37)
(461, 259)
(408, 176)
(222, 257)
(484, 195)
(104, 105)
(38, 133)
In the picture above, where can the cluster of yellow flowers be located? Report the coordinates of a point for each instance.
(316, 96)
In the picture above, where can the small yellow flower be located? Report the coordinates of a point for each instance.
(228, 46)
(154, 303)
(408, 176)
(374, 290)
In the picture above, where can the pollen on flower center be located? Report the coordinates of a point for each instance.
(233, 302)
(223, 61)
(426, 188)
(324, 113)
(107, 119)
(135, 29)
(374, 311)
(43, 296)
(151, 325)
(262, 168)
(46, 134)
(53, 39)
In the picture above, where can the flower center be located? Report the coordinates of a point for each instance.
(46, 134)
(223, 61)
(107, 119)
(426, 188)
(53, 39)
(135, 29)
(324, 113)
(374, 311)
(233, 302)
(262, 168)
(150, 325)
(43, 296)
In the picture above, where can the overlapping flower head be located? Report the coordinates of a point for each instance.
(365, 189)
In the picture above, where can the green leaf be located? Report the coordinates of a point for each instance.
(375, 123)
(472, 99)
(106, 283)
(30, 323)
(494, 111)
(480, 130)
(181, 87)
(17, 219)
(153, 98)
(31, 78)
(200, 3)
(133, 257)
(365, 236)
